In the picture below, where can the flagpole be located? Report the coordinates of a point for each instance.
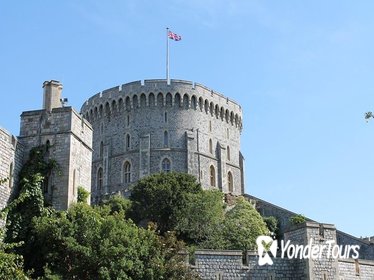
(167, 56)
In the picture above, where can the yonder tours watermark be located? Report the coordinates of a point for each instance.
(329, 249)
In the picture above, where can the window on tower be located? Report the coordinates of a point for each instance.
(230, 182)
(127, 172)
(128, 142)
(166, 139)
(212, 176)
(100, 179)
(166, 165)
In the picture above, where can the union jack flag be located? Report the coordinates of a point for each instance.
(174, 36)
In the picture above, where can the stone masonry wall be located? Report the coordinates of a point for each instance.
(69, 138)
(267, 209)
(325, 267)
(366, 247)
(210, 264)
(202, 129)
(350, 269)
(80, 158)
(11, 152)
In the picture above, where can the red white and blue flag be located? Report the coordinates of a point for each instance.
(174, 36)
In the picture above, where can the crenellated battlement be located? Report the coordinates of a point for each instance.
(184, 94)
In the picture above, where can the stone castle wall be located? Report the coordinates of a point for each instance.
(142, 124)
(215, 264)
(11, 154)
(366, 247)
(350, 269)
(68, 137)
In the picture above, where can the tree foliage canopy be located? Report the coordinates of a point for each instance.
(176, 202)
(90, 243)
(160, 197)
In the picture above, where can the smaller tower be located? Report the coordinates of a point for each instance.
(68, 138)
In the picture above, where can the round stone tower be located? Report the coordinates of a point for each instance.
(141, 128)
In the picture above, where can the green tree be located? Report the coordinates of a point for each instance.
(203, 212)
(297, 219)
(29, 203)
(272, 224)
(243, 224)
(160, 197)
(117, 204)
(91, 243)
(82, 195)
(240, 228)
(11, 265)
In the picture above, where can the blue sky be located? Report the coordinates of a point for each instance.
(302, 70)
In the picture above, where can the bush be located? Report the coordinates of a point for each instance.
(83, 194)
(297, 219)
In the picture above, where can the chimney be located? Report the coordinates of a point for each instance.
(52, 95)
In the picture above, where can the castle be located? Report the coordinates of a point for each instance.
(144, 128)
(130, 131)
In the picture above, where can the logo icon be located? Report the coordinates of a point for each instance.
(266, 244)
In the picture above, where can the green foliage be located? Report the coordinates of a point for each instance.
(117, 204)
(38, 163)
(272, 224)
(29, 203)
(90, 243)
(3, 180)
(240, 229)
(82, 195)
(203, 212)
(11, 265)
(175, 202)
(297, 219)
(160, 197)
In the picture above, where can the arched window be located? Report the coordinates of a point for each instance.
(127, 172)
(228, 133)
(166, 139)
(185, 101)
(128, 142)
(193, 102)
(210, 126)
(100, 179)
(212, 173)
(210, 146)
(166, 165)
(228, 153)
(230, 182)
(166, 117)
(151, 100)
(160, 99)
(169, 99)
(101, 149)
(128, 120)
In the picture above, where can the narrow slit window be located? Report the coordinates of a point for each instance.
(166, 139)
(212, 176)
(127, 172)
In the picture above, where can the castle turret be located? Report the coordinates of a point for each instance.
(151, 126)
(68, 137)
(52, 95)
